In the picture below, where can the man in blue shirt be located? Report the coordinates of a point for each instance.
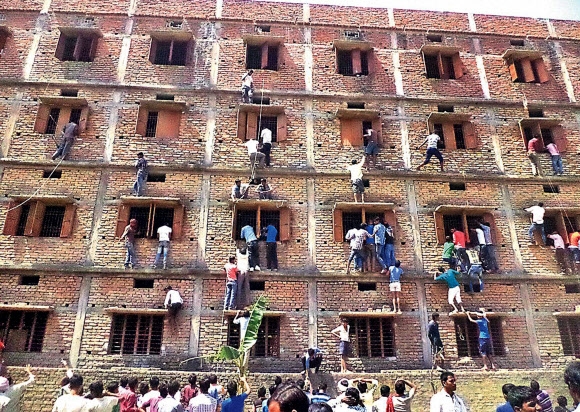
(395, 285)
(454, 292)
(506, 407)
(271, 247)
(379, 232)
(252, 242)
(235, 403)
(485, 347)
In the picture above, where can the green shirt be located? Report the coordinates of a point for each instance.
(448, 249)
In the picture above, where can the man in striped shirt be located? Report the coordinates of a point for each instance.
(203, 402)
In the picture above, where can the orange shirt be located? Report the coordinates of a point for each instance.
(574, 238)
(459, 239)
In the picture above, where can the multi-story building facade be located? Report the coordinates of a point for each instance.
(164, 79)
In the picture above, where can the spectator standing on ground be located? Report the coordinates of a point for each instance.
(356, 179)
(287, 398)
(395, 285)
(449, 252)
(385, 402)
(203, 402)
(432, 150)
(562, 405)
(543, 397)
(522, 399)
(264, 190)
(247, 87)
(173, 301)
(402, 402)
(190, 390)
(70, 132)
(73, 401)
(129, 237)
(170, 404)
(342, 332)
(357, 239)
(216, 390)
(235, 403)
(142, 172)
(447, 400)
(15, 392)
(153, 392)
(261, 398)
(449, 276)
(100, 402)
(506, 407)
(485, 347)
(572, 380)
(321, 396)
(366, 388)
(271, 247)
(436, 342)
(351, 402)
(153, 402)
(252, 146)
(164, 235)
(534, 149)
(557, 167)
(372, 147)
(537, 212)
(249, 236)
(128, 399)
(266, 136)
(231, 271)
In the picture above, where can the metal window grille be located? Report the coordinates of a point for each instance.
(547, 136)
(70, 44)
(270, 217)
(459, 138)
(365, 126)
(75, 116)
(85, 48)
(24, 211)
(179, 53)
(52, 221)
(272, 58)
(432, 67)
(253, 57)
(550, 226)
(151, 127)
(268, 342)
(344, 61)
(233, 333)
(243, 218)
(52, 121)
(570, 335)
(163, 52)
(141, 214)
(452, 221)
(467, 337)
(136, 335)
(364, 63)
(270, 122)
(23, 331)
(163, 216)
(350, 220)
(373, 337)
(438, 128)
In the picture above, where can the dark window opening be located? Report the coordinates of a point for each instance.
(151, 127)
(366, 183)
(269, 122)
(547, 136)
(438, 129)
(174, 24)
(143, 283)
(447, 62)
(69, 93)
(272, 58)
(517, 42)
(257, 285)
(528, 134)
(69, 49)
(136, 335)
(233, 333)
(344, 59)
(366, 287)
(550, 226)
(467, 337)
(535, 113)
(159, 177)
(254, 57)
(456, 186)
(355, 105)
(432, 66)
(435, 38)
(569, 328)
(76, 47)
(141, 214)
(52, 174)
(162, 216)
(75, 116)
(572, 288)
(150, 218)
(551, 189)
(52, 121)
(23, 331)
(443, 108)
(451, 222)
(459, 138)
(352, 34)
(261, 100)
(170, 53)
(263, 29)
(243, 218)
(24, 212)
(476, 286)
(3, 40)
(270, 217)
(165, 97)
(373, 337)
(29, 280)
(519, 71)
(365, 126)
(350, 220)
(268, 342)
(52, 221)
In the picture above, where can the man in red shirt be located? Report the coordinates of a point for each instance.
(534, 148)
(128, 399)
(459, 242)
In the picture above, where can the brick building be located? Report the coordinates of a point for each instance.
(165, 80)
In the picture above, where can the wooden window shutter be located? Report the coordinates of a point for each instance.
(242, 124)
(35, 217)
(177, 228)
(59, 53)
(458, 67)
(63, 119)
(513, 70)
(356, 62)
(527, 70)
(443, 74)
(495, 232)
(152, 210)
(234, 221)
(252, 128)
(449, 136)
(12, 218)
(68, 221)
(285, 224)
(168, 124)
(264, 56)
(122, 219)
(469, 135)
(282, 134)
(337, 225)
(85, 116)
(378, 128)
(141, 126)
(41, 118)
(351, 132)
(560, 138)
(541, 71)
(152, 50)
(94, 44)
(439, 227)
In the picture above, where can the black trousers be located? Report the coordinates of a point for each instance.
(266, 149)
(272, 255)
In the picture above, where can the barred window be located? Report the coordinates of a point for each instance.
(569, 328)
(40, 218)
(467, 337)
(23, 331)
(373, 337)
(268, 342)
(136, 335)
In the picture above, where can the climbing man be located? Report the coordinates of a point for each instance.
(255, 155)
(239, 190)
(173, 301)
(247, 87)
(356, 179)
(534, 148)
(484, 337)
(249, 236)
(537, 212)
(70, 132)
(437, 349)
(432, 150)
(264, 190)
(449, 276)
(164, 235)
(129, 237)
(142, 172)
(372, 147)
(266, 136)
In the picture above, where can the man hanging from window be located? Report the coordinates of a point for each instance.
(142, 172)
(255, 155)
(534, 148)
(249, 236)
(356, 179)
(560, 251)
(173, 301)
(247, 87)
(449, 276)
(537, 212)
(266, 136)
(129, 237)
(372, 147)
(437, 348)
(357, 239)
(460, 245)
(485, 348)
(70, 132)
(488, 250)
(271, 233)
(164, 234)
(432, 150)
(231, 271)
(556, 158)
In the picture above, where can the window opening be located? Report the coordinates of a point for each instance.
(374, 337)
(452, 221)
(355, 105)
(517, 42)
(165, 97)
(52, 120)
(170, 53)
(435, 38)
(572, 288)
(459, 138)
(141, 214)
(156, 177)
(233, 333)
(52, 174)
(456, 186)
(69, 93)
(469, 345)
(262, 29)
(143, 283)
(23, 331)
(432, 66)
(350, 220)
(136, 335)
(443, 108)
(352, 34)
(270, 122)
(257, 285)
(569, 328)
(366, 124)
(270, 217)
(535, 113)
(344, 62)
(161, 217)
(253, 57)
(547, 136)
(29, 280)
(551, 189)
(151, 128)
(24, 211)
(243, 218)
(75, 116)
(52, 221)
(366, 287)
(261, 100)
(268, 342)
(438, 129)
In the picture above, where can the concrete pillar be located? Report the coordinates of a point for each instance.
(509, 214)
(311, 216)
(530, 326)
(405, 144)
(204, 198)
(12, 118)
(424, 320)
(210, 129)
(495, 140)
(97, 218)
(416, 229)
(111, 129)
(195, 317)
(125, 47)
(75, 347)
(312, 314)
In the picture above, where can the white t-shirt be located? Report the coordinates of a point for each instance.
(558, 241)
(243, 261)
(164, 232)
(70, 403)
(356, 171)
(480, 236)
(173, 296)
(432, 141)
(537, 214)
(343, 332)
(243, 322)
(104, 404)
(252, 146)
(247, 80)
(403, 403)
(149, 395)
(266, 135)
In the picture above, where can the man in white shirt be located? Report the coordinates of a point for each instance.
(14, 392)
(560, 251)
(254, 154)
(356, 178)
(152, 394)
(266, 136)
(432, 150)
(537, 222)
(247, 87)
(447, 400)
(173, 301)
(164, 235)
(100, 402)
(572, 380)
(342, 332)
(380, 405)
(402, 402)
(170, 404)
(73, 401)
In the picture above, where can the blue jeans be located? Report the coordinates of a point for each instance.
(130, 257)
(230, 298)
(379, 250)
(533, 228)
(557, 164)
(162, 248)
(575, 254)
(358, 257)
(389, 254)
(139, 183)
(474, 274)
